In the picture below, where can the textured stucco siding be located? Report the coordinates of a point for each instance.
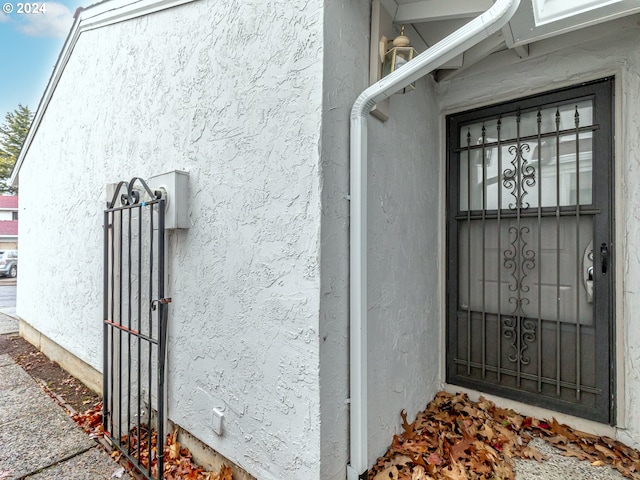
(231, 92)
(610, 48)
(346, 63)
(403, 204)
(403, 293)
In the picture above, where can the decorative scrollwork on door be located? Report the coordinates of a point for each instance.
(518, 259)
(522, 174)
(527, 335)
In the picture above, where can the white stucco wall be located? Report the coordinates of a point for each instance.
(231, 92)
(346, 65)
(403, 293)
(610, 48)
(403, 203)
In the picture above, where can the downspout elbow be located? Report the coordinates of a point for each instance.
(363, 105)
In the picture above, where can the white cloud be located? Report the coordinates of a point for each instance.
(55, 22)
(4, 17)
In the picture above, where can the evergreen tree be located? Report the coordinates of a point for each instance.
(13, 133)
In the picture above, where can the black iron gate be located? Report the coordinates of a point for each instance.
(530, 250)
(135, 326)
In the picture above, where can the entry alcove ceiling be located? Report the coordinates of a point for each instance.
(429, 21)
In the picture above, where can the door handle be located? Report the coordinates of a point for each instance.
(604, 254)
(587, 271)
(588, 283)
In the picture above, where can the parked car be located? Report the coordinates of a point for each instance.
(8, 263)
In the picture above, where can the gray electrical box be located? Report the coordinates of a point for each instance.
(175, 186)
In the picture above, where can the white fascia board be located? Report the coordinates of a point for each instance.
(115, 11)
(95, 16)
(435, 10)
(547, 11)
(525, 31)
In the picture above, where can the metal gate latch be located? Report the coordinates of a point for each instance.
(163, 301)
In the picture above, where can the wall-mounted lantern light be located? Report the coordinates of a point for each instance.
(394, 58)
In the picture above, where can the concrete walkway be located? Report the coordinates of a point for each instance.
(8, 324)
(37, 439)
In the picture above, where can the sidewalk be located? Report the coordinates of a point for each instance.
(8, 324)
(37, 439)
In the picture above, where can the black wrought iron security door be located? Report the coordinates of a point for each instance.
(530, 252)
(135, 326)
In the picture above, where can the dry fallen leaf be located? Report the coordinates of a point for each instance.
(226, 473)
(118, 473)
(390, 473)
(455, 471)
(486, 432)
(605, 451)
(530, 452)
(174, 451)
(458, 451)
(419, 474)
(408, 428)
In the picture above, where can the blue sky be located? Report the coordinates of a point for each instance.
(29, 48)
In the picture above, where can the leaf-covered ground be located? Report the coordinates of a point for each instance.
(178, 463)
(68, 391)
(457, 439)
(75, 397)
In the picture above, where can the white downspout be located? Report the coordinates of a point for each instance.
(458, 42)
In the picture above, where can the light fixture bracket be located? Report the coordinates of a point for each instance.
(384, 41)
